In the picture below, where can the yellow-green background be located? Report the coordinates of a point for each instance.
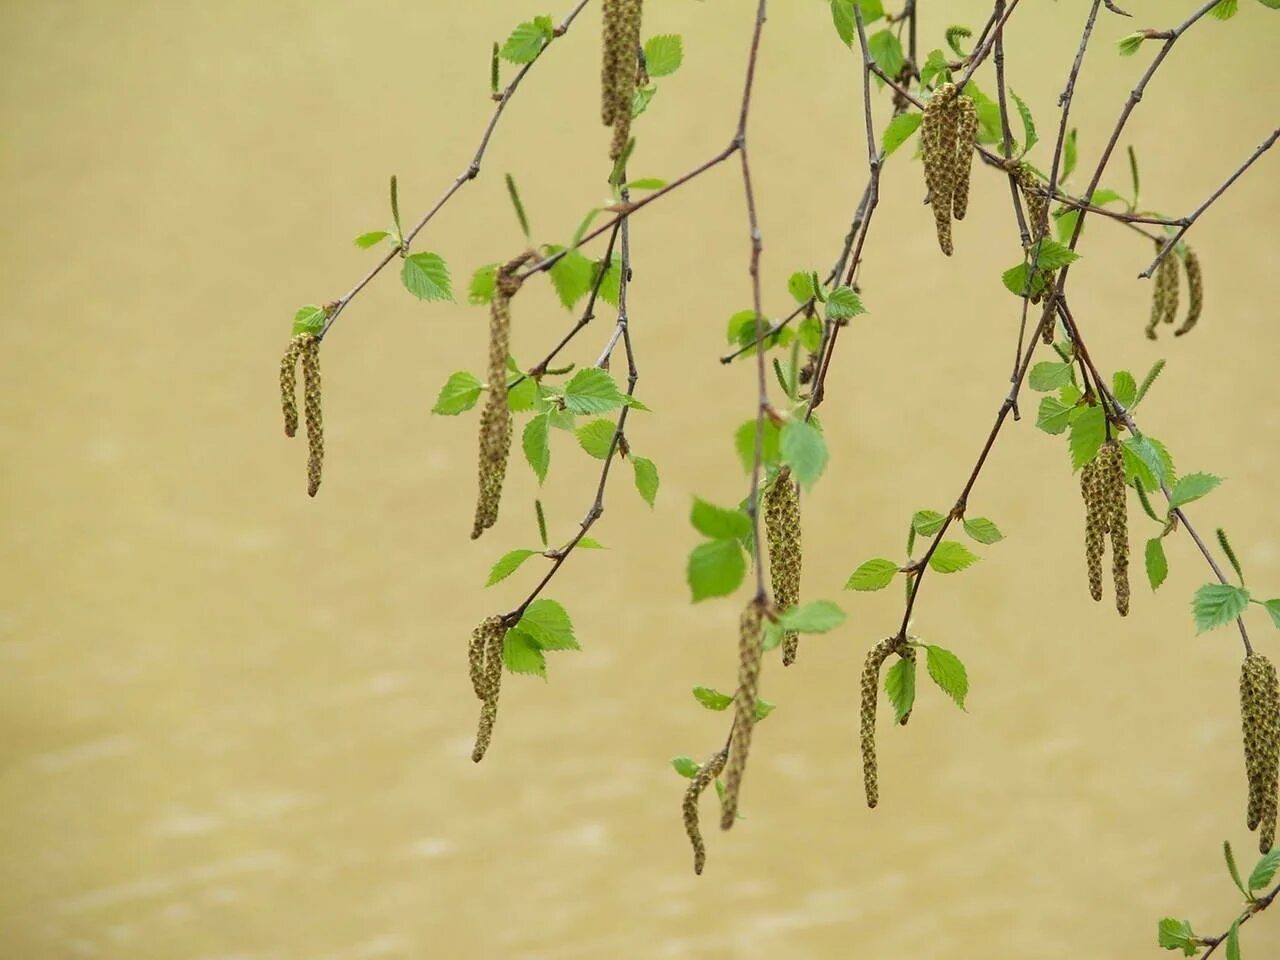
(236, 721)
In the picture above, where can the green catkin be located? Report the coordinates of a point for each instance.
(289, 384)
(750, 650)
(966, 142)
(1095, 526)
(1111, 478)
(611, 51)
(1195, 292)
(876, 656)
(908, 652)
(1260, 718)
(621, 43)
(701, 780)
(939, 132)
(310, 353)
(494, 636)
(782, 528)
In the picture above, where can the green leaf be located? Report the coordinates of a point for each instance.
(744, 441)
(483, 281)
(717, 523)
(741, 331)
(527, 40)
(1070, 153)
(508, 564)
(549, 624)
(935, 65)
(1273, 608)
(1124, 388)
(426, 276)
(715, 569)
(1053, 255)
(842, 17)
(1177, 935)
(522, 396)
(712, 699)
(1216, 604)
(521, 653)
(1065, 220)
(1054, 415)
(951, 556)
(1157, 563)
(873, 575)
(590, 543)
(646, 475)
(460, 392)
(663, 54)
(645, 183)
(372, 238)
(1088, 431)
(1224, 9)
(640, 102)
(536, 443)
(886, 51)
(1017, 282)
(309, 319)
(983, 530)
(800, 286)
(1029, 136)
(685, 766)
(948, 673)
(1192, 487)
(571, 275)
(763, 709)
(927, 522)
(842, 303)
(1145, 450)
(1265, 870)
(802, 448)
(819, 616)
(899, 130)
(611, 284)
(592, 390)
(900, 685)
(1233, 935)
(1130, 43)
(1148, 461)
(1048, 375)
(596, 437)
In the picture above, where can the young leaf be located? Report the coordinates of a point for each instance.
(1124, 388)
(800, 286)
(1130, 43)
(508, 564)
(592, 390)
(372, 238)
(842, 303)
(1088, 431)
(948, 673)
(1192, 487)
(685, 766)
(1069, 154)
(523, 395)
(483, 281)
(886, 51)
(1047, 375)
(1265, 870)
(1273, 608)
(715, 569)
(927, 522)
(460, 392)
(1030, 139)
(873, 575)
(646, 475)
(518, 204)
(571, 275)
(900, 129)
(527, 40)
(596, 437)
(521, 653)
(1054, 415)
(900, 685)
(1224, 9)
(803, 449)
(1177, 935)
(536, 443)
(1022, 282)
(712, 699)
(951, 556)
(983, 530)
(663, 54)
(717, 523)
(548, 623)
(744, 441)
(763, 709)
(1216, 604)
(426, 276)
(1053, 255)
(819, 616)
(1233, 935)
(842, 17)
(309, 319)
(1157, 563)
(610, 285)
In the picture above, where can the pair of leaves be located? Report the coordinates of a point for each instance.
(512, 560)
(945, 669)
(713, 699)
(950, 556)
(717, 566)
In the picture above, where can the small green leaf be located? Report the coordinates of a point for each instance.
(1088, 431)
(571, 275)
(521, 654)
(1130, 43)
(1177, 935)
(842, 17)
(873, 575)
(983, 530)
(900, 129)
(819, 616)
(1224, 9)
(1053, 255)
(951, 556)
(717, 523)
(426, 276)
(843, 302)
(712, 699)
(1192, 487)
(1233, 935)
(886, 51)
(663, 54)
(1070, 153)
(536, 443)
(1273, 608)
(590, 543)
(309, 319)
(685, 766)
(715, 569)
(1157, 563)
(483, 281)
(900, 685)
(507, 564)
(1054, 415)
(935, 65)
(1265, 870)
(927, 522)
(1047, 375)
(592, 390)
(1017, 281)
(549, 624)
(763, 709)
(1030, 138)
(610, 286)
(645, 183)
(1216, 604)
(802, 448)
(596, 437)
(460, 392)
(948, 673)
(744, 441)
(800, 286)
(522, 396)
(1124, 388)
(527, 40)
(370, 239)
(646, 475)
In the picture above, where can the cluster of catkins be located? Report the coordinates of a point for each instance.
(1103, 488)
(1164, 297)
(485, 656)
(304, 347)
(948, 134)
(618, 69)
(1260, 717)
(876, 657)
(782, 529)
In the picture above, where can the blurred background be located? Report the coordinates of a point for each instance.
(237, 721)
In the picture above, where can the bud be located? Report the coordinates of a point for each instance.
(870, 691)
(705, 775)
(1111, 478)
(782, 528)
(310, 352)
(493, 637)
(1195, 292)
(750, 650)
(289, 384)
(965, 144)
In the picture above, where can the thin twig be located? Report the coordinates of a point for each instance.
(1254, 909)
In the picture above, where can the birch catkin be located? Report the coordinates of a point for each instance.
(705, 775)
(907, 652)
(289, 384)
(1164, 294)
(1260, 718)
(485, 655)
(1096, 521)
(750, 650)
(939, 133)
(618, 68)
(1195, 292)
(1111, 477)
(966, 142)
(310, 353)
(782, 528)
(870, 691)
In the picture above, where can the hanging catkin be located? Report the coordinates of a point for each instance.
(939, 133)
(701, 780)
(907, 652)
(611, 54)
(487, 640)
(870, 688)
(618, 69)
(1164, 294)
(1096, 521)
(1195, 292)
(750, 650)
(289, 384)
(1260, 718)
(310, 353)
(1111, 477)
(967, 139)
(782, 528)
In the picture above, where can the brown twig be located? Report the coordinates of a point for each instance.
(1255, 908)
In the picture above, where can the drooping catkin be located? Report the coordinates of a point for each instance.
(966, 141)
(477, 651)
(1095, 526)
(1036, 202)
(1195, 292)
(870, 692)
(1164, 293)
(750, 650)
(782, 527)
(495, 418)
(939, 133)
(611, 52)
(907, 652)
(289, 384)
(1260, 718)
(493, 633)
(310, 353)
(618, 68)
(1111, 478)
(703, 779)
